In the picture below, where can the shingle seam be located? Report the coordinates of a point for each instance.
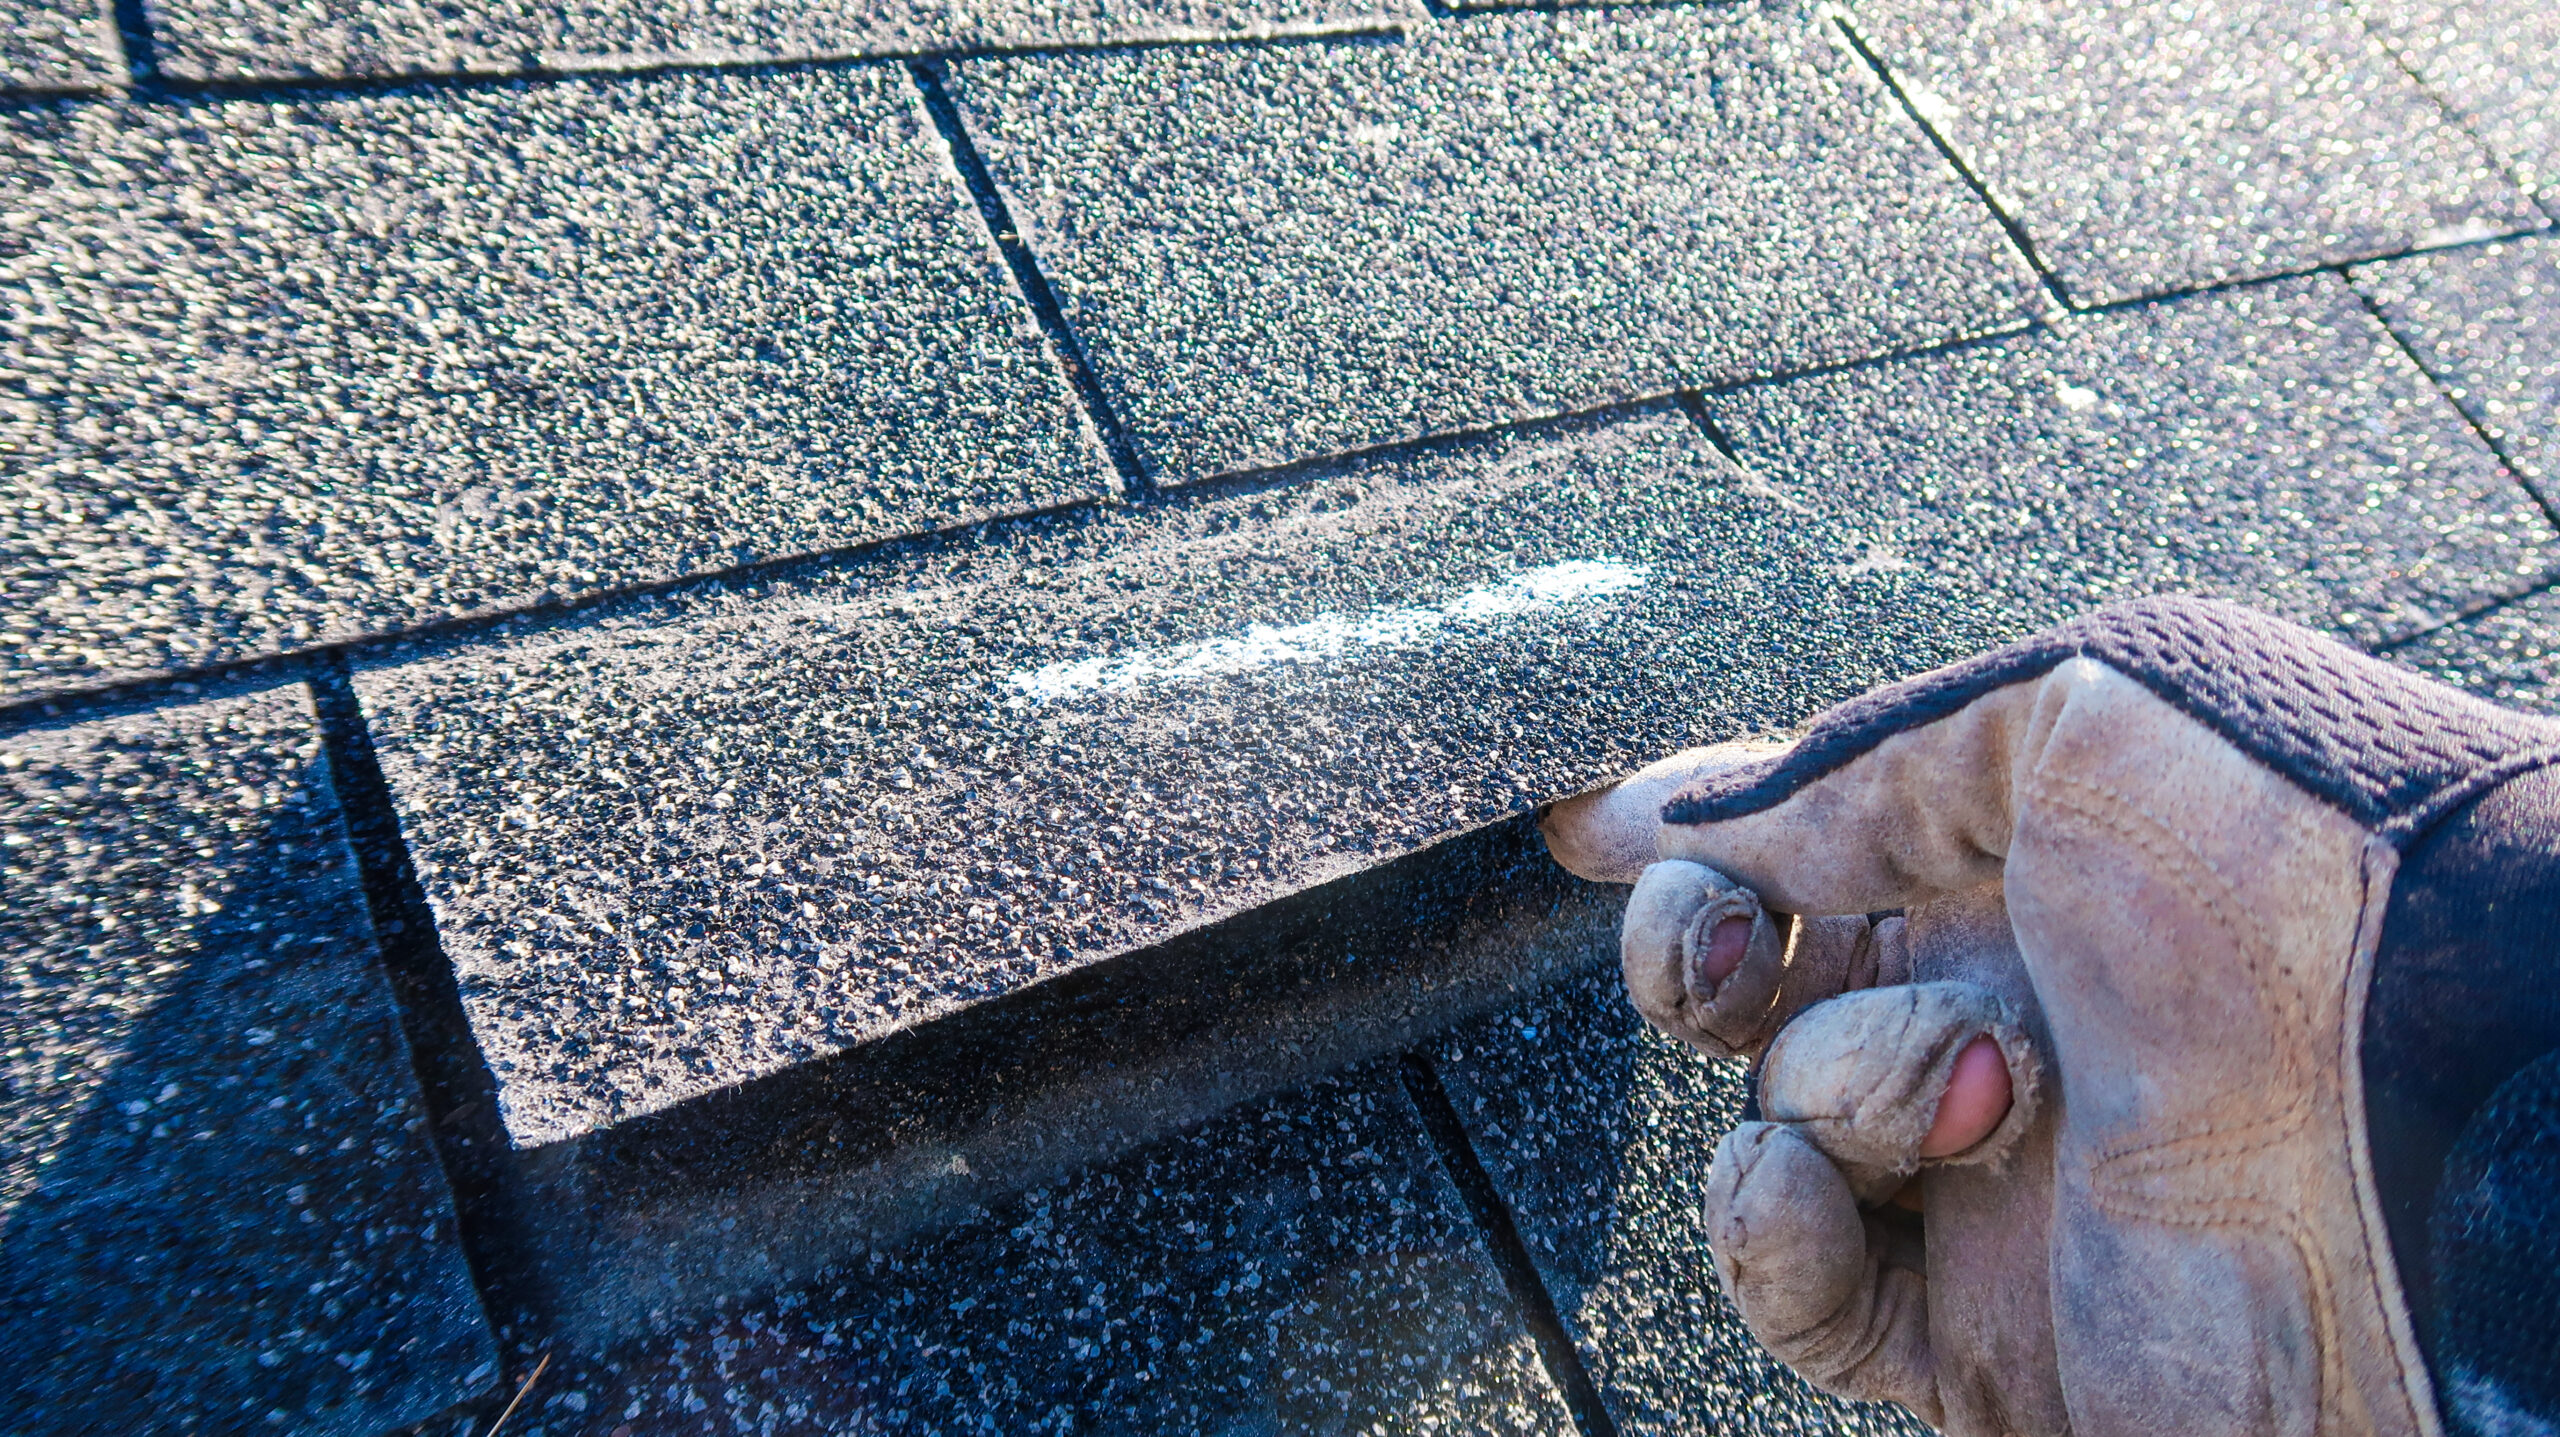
(2444, 391)
(49, 705)
(2009, 224)
(2469, 616)
(166, 88)
(1069, 348)
(1494, 1223)
(2453, 118)
(455, 1082)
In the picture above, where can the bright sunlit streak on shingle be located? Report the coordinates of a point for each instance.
(1328, 636)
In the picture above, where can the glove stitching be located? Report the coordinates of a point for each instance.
(2116, 1174)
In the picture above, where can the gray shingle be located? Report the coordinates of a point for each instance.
(282, 370)
(2486, 321)
(2270, 444)
(221, 1209)
(2150, 147)
(57, 46)
(2497, 63)
(2510, 654)
(1597, 1131)
(1299, 1265)
(1275, 252)
(717, 835)
(291, 39)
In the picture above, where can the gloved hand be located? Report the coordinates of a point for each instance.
(2115, 1047)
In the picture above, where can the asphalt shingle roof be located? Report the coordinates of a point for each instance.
(833, 548)
(1274, 252)
(58, 45)
(297, 369)
(221, 1206)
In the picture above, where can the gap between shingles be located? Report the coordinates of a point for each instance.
(1557, 1352)
(931, 77)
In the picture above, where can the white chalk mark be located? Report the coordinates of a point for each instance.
(1329, 636)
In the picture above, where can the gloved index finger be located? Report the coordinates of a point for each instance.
(1890, 800)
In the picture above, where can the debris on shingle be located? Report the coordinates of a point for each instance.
(234, 40)
(2486, 322)
(285, 370)
(1282, 251)
(58, 47)
(2149, 147)
(1298, 1265)
(2272, 445)
(221, 1207)
(721, 834)
(1597, 1131)
(2496, 63)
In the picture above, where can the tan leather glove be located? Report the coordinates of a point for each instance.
(2149, 856)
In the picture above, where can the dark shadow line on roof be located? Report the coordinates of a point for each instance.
(455, 1081)
(1482, 9)
(1284, 472)
(1529, 1295)
(2471, 615)
(133, 35)
(2015, 228)
(163, 88)
(2444, 392)
(1063, 340)
(2337, 265)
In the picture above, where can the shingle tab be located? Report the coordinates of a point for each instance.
(1298, 1265)
(297, 39)
(2486, 321)
(222, 1213)
(58, 46)
(2271, 445)
(286, 370)
(716, 836)
(1281, 251)
(1598, 1131)
(2148, 147)
(2497, 63)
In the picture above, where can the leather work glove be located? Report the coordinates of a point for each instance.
(2154, 1029)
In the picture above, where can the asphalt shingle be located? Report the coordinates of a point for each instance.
(1279, 251)
(1299, 1265)
(297, 39)
(220, 1207)
(2486, 321)
(278, 371)
(58, 46)
(722, 833)
(2497, 63)
(2272, 445)
(1597, 1131)
(2510, 654)
(2148, 147)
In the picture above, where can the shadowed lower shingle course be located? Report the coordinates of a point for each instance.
(1299, 1264)
(276, 371)
(220, 1210)
(1273, 253)
(2149, 147)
